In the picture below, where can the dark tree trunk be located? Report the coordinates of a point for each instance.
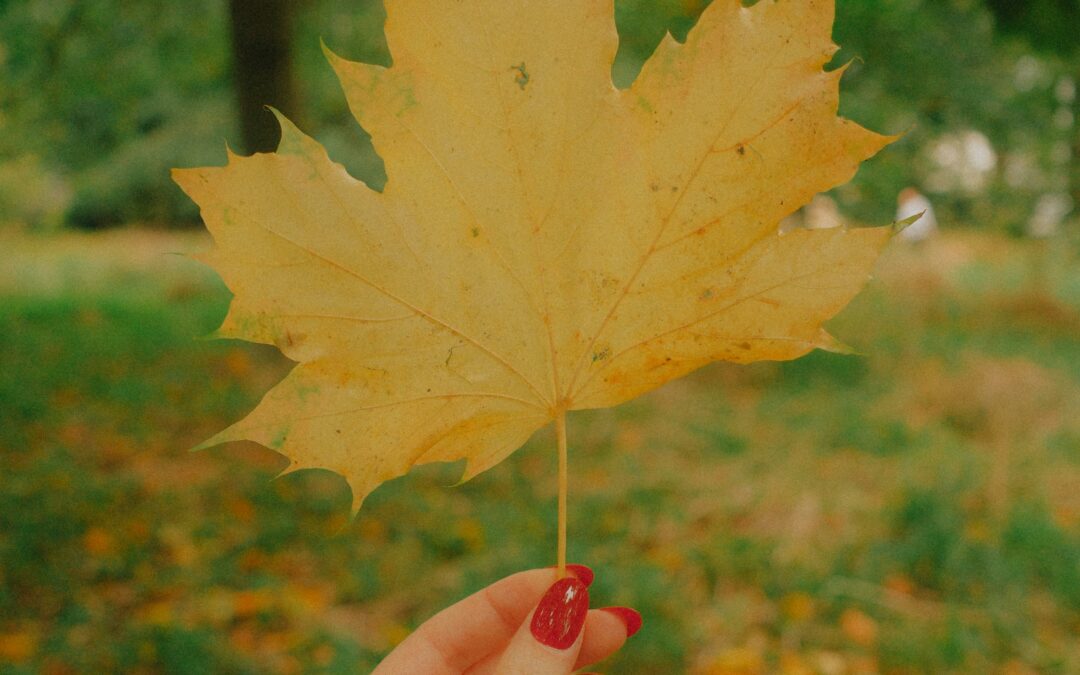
(1074, 164)
(1049, 26)
(262, 68)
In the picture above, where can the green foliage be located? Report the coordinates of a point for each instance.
(924, 488)
(1043, 553)
(642, 24)
(109, 96)
(101, 98)
(906, 75)
(1049, 24)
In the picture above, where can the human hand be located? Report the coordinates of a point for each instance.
(529, 623)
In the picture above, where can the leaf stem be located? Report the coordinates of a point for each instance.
(560, 433)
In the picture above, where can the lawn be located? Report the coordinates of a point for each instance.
(914, 508)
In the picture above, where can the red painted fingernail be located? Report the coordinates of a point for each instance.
(583, 573)
(630, 617)
(559, 617)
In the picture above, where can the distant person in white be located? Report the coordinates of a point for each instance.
(910, 203)
(821, 214)
(1051, 210)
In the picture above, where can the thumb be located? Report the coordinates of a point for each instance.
(549, 640)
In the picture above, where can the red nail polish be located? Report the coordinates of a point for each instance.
(583, 573)
(559, 617)
(630, 617)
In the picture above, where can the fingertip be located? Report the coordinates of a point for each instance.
(631, 618)
(583, 573)
(605, 634)
(550, 641)
(560, 614)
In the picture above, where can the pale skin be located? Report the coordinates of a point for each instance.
(488, 632)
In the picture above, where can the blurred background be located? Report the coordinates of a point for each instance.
(915, 508)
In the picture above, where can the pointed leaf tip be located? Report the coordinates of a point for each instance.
(901, 225)
(828, 342)
(208, 443)
(328, 53)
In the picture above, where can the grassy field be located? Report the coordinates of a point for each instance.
(913, 509)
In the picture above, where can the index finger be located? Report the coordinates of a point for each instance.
(470, 629)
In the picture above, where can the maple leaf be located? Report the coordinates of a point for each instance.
(545, 242)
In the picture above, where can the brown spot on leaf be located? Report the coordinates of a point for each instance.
(289, 340)
(521, 75)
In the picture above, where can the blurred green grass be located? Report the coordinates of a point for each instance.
(913, 509)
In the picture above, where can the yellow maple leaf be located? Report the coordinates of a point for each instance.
(545, 242)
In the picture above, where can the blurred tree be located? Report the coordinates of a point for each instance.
(1053, 27)
(905, 75)
(262, 32)
(101, 97)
